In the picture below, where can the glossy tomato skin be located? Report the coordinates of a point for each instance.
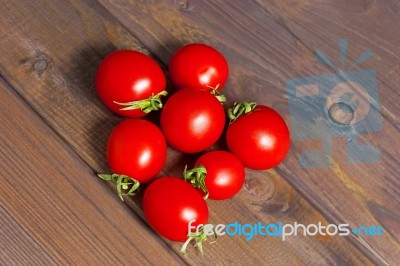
(136, 148)
(192, 120)
(260, 139)
(126, 76)
(196, 66)
(170, 203)
(225, 174)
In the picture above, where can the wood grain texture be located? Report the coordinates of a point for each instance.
(52, 210)
(269, 42)
(52, 55)
(17, 246)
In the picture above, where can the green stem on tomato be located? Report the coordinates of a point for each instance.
(153, 103)
(196, 177)
(214, 91)
(220, 97)
(240, 108)
(125, 185)
(199, 236)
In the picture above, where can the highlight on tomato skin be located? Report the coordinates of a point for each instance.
(257, 135)
(198, 66)
(130, 83)
(170, 203)
(218, 174)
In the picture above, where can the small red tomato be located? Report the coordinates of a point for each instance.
(136, 148)
(192, 120)
(218, 173)
(130, 83)
(259, 137)
(170, 203)
(198, 66)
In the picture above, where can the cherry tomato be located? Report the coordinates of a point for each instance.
(136, 148)
(192, 120)
(259, 138)
(170, 203)
(198, 66)
(218, 173)
(130, 83)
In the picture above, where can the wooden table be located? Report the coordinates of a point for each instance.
(54, 210)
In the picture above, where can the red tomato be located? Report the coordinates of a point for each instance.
(260, 138)
(129, 83)
(223, 174)
(170, 203)
(192, 120)
(198, 66)
(136, 148)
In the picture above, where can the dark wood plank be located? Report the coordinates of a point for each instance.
(52, 209)
(270, 42)
(62, 93)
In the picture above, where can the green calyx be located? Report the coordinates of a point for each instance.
(125, 185)
(153, 103)
(220, 97)
(214, 91)
(196, 177)
(199, 236)
(240, 108)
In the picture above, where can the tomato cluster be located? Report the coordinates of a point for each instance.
(132, 84)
